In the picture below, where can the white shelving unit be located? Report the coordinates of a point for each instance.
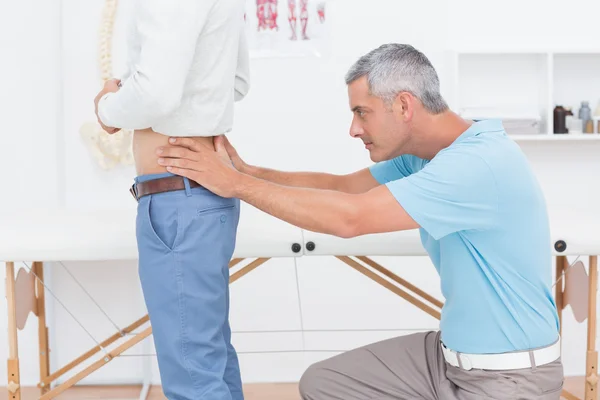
(528, 82)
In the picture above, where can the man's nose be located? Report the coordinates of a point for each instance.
(356, 128)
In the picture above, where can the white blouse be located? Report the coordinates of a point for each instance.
(187, 63)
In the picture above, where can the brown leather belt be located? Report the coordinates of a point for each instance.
(159, 185)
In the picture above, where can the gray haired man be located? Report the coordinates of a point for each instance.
(470, 190)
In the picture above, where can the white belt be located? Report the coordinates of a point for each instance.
(512, 360)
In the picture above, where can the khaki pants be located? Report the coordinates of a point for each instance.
(413, 367)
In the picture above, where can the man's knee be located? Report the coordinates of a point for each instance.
(310, 382)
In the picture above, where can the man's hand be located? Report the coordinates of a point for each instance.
(238, 163)
(110, 86)
(211, 168)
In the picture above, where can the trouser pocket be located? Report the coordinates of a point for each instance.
(161, 215)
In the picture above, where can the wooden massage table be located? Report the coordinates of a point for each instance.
(34, 237)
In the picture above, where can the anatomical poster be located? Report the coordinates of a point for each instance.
(287, 28)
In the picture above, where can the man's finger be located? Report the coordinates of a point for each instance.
(219, 143)
(187, 173)
(220, 148)
(178, 162)
(229, 147)
(226, 143)
(176, 152)
(185, 142)
(108, 129)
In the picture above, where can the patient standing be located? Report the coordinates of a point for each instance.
(187, 64)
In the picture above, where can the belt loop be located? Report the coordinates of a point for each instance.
(188, 190)
(532, 360)
(133, 192)
(460, 364)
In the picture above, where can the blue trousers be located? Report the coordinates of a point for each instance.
(186, 239)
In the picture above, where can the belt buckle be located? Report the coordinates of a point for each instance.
(133, 193)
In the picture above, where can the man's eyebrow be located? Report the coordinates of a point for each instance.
(357, 108)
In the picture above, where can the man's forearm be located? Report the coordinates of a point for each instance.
(316, 180)
(317, 210)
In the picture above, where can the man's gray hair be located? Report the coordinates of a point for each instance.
(394, 68)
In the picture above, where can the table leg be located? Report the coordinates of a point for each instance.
(38, 269)
(247, 268)
(97, 365)
(558, 290)
(434, 312)
(591, 379)
(14, 382)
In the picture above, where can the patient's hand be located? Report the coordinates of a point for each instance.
(110, 86)
(238, 163)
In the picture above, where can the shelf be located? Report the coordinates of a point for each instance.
(543, 137)
(531, 81)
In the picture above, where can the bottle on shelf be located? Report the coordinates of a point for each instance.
(585, 115)
(560, 119)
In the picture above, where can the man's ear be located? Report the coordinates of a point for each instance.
(404, 105)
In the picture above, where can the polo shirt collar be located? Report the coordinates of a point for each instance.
(481, 126)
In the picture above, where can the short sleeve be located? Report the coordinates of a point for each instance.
(456, 192)
(396, 168)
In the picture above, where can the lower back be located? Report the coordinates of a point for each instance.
(145, 144)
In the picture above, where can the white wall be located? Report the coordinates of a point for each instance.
(30, 113)
(298, 106)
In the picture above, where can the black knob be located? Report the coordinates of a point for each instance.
(310, 246)
(560, 246)
(296, 247)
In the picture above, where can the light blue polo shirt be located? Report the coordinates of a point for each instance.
(485, 226)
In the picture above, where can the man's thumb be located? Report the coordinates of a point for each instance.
(219, 144)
